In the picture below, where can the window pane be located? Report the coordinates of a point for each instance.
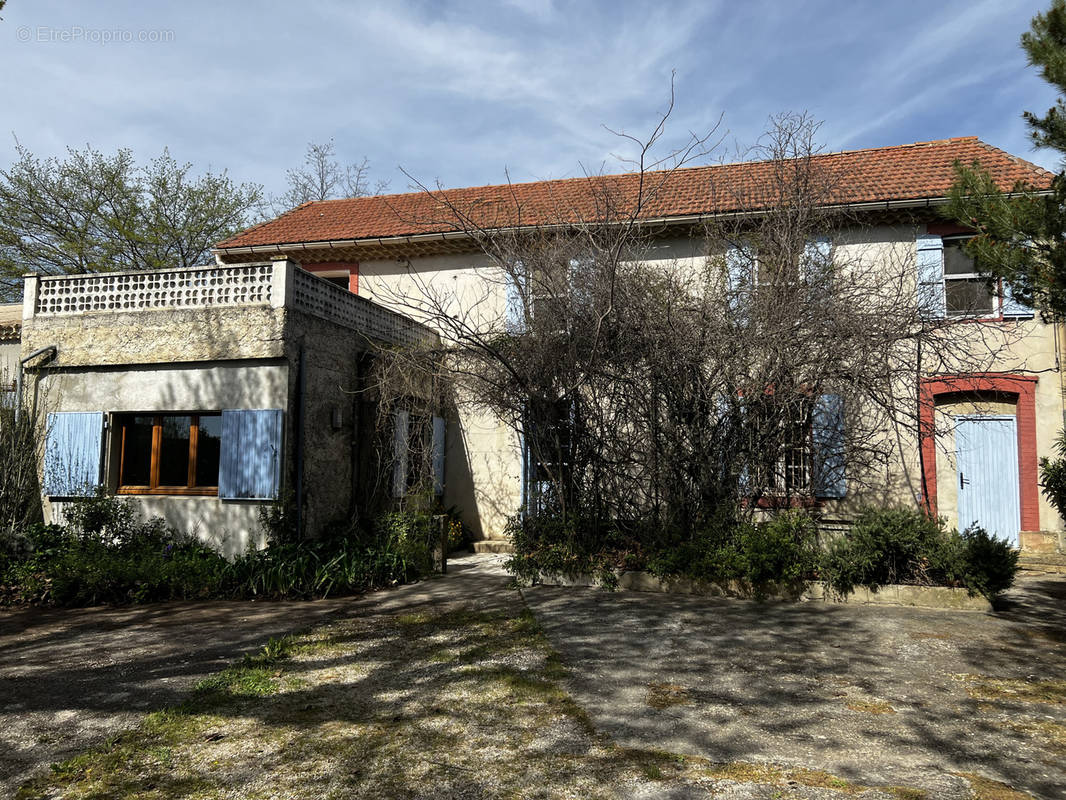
(968, 296)
(208, 450)
(137, 451)
(338, 280)
(174, 451)
(956, 262)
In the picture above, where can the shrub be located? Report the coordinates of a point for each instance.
(393, 548)
(104, 554)
(987, 565)
(781, 550)
(887, 546)
(1053, 475)
(884, 546)
(20, 497)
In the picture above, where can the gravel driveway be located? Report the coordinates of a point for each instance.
(878, 695)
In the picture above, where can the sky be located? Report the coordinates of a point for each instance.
(465, 94)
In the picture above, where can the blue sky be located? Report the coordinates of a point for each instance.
(467, 93)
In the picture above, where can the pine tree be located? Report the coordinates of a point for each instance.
(1021, 234)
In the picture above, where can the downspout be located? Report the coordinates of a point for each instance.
(301, 391)
(921, 444)
(40, 351)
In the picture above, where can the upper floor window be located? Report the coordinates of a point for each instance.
(966, 292)
(951, 285)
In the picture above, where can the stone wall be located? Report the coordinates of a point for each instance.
(159, 336)
(334, 445)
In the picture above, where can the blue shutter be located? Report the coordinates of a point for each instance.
(740, 268)
(515, 313)
(744, 437)
(930, 265)
(439, 428)
(400, 434)
(1014, 309)
(72, 449)
(827, 435)
(250, 465)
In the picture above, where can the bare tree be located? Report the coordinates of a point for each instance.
(323, 177)
(662, 391)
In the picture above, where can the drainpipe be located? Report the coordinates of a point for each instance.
(40, 351)
(301, 391)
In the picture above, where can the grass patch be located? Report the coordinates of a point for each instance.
(870, 706)
(988, 789)
(1052, 733)
(981, 687)
(665, 695)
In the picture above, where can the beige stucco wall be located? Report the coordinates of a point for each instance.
(483, 468)
(9, 360)
(231, 525)
(490, 487)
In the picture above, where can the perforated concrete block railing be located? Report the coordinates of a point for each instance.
(199, 287)
(327, 301)
(278, 284)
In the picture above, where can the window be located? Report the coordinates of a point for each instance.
(966, 291)
(169, 453)
(418, 453)
(549, 432)
(337, 280)
(798, 450)
(783, 449)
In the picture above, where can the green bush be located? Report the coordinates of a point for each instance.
(544, 543)
(105, 554)
(887, 546)
(782, 550)
(1053, 475)
(987, 565)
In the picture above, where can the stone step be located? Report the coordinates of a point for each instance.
(1042, 562)
(494, 546)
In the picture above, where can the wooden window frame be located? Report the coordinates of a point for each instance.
(996, 294)
(190, 489)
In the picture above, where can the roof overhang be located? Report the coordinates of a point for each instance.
(462, 241)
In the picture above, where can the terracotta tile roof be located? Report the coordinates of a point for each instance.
(905, 172)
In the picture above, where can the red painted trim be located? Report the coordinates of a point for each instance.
(1023, 387)
(333, 266)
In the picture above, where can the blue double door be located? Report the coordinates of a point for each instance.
(986, 457)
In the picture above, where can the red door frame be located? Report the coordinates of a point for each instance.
(1023, 388)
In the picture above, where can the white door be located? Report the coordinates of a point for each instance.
(986, 452)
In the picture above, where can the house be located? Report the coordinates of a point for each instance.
(207, 394)
(10, 335)
(975, 455)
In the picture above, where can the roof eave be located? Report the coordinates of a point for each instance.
(685, 219)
